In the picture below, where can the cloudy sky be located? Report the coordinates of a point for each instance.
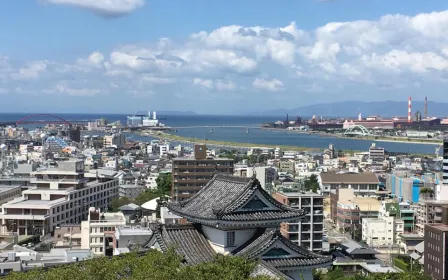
(219, 56)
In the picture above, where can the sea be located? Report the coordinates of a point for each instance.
(235, 129)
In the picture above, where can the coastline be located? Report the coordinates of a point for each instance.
(236, 145)
(370, 138)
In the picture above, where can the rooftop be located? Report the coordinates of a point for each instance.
(441, 227)
(126, 230)
(205, 159)
(23, 203)
(299, 194)
(349, 178)
(412, 236)
(7, 188)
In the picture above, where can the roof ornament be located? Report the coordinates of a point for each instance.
(254, 173)
(216, 171)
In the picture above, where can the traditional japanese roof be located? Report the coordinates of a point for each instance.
(188, 241)
(265, 269)
(276, 250)
(229, 200)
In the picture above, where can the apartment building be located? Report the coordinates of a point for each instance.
(378, 231)
(61, 195)
(190, 174)
(377, 157)
(406, 187)
(363, 184)
(428, 212)
(308, 232)
(266, 175)
(117, 140)
(435, 249)
(97, 233)
(445, 162)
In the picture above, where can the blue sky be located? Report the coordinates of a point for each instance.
(218, 56)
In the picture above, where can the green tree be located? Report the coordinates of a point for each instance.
(164, 183)
(118, 202)
(153, 265)
(312, 184)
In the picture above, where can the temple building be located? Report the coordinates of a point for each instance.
(236, 216)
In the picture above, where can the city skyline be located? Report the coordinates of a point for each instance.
(218, 56)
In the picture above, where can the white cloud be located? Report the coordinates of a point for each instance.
(203, 83)
(380, 58)
(31, 71)
(107, 8)
(225, 85)
(269, 85)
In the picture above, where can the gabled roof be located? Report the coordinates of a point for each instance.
(129, 207)
(269, 239)
(225, 199)
(187, 240)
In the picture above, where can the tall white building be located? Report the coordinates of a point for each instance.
(61, 195)
(97, 233)
(265, 174)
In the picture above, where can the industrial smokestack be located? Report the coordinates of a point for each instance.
(154, 115)
(426, 107)
(410, 109)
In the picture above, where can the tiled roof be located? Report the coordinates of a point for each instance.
(266, 269)
(188, 242)
(264, 241)
(221, 198)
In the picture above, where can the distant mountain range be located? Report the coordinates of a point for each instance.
(353, 108)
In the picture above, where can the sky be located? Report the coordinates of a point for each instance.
(218, 56)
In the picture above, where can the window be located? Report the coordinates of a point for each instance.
(230, 238)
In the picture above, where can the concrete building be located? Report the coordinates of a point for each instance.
(61, 195)
(189, 175)
(377, 157)
(435, 251)
(378, 231)
(130, 191)
(265, 174)
(428, 212)
(286, 166)
(445, 162)
(126, 237)
(97, 233)
(308, 232)
(407, 189)
(8, 193)
(117, 140)
(363, 184)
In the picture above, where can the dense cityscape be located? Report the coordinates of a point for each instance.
(214, 140)
(74, 192)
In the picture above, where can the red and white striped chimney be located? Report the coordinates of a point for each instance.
(410, 109)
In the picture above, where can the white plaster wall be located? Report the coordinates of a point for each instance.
(85, 235)
(218, 238)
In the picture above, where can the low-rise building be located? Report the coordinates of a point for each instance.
(130, 191)
(8, 193)
(126, 237)
(378, 231)
(363, 184)
(97, 233)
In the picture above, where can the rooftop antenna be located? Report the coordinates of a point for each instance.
(426, 107)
